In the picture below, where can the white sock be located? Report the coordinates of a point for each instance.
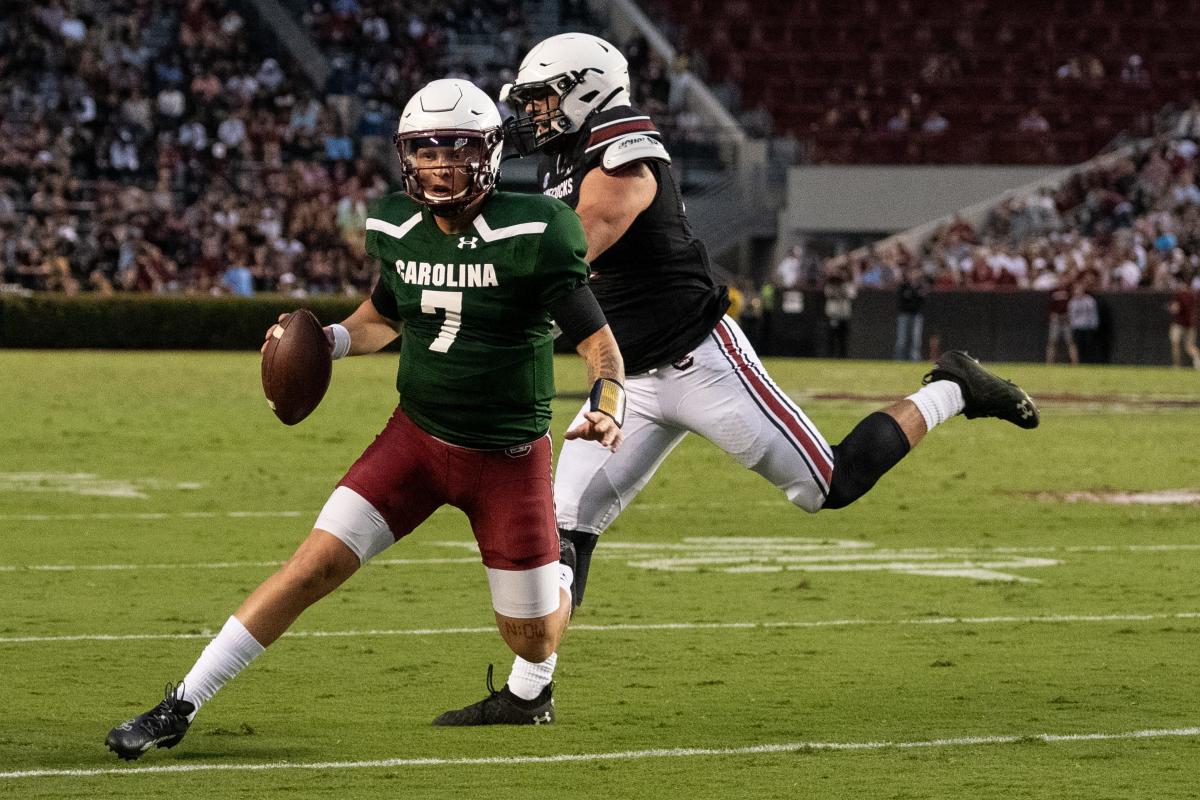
(230, 652)
(938, 402)
(527, 679)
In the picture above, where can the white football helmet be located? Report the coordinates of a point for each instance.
(449, 142)
(585, 73)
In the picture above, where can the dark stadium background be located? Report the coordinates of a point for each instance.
(228, 148)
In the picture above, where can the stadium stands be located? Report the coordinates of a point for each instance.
(920, 81)
(1131, 223)
(149, 146)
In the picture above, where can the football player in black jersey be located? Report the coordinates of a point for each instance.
(689, 368)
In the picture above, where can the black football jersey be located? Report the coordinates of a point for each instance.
(654, 283)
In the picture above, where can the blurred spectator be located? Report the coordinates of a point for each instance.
(910, 320)
(788, 271)
(881, 269)
(1033, 122)
(239, 280)
(1182, 333)
(1084, 313)
(1188, 124)
(935, 123)
(901, 121)
(1133, 71)
(1185, 192)
(839, 300)
(1059, 324)
(769, 297)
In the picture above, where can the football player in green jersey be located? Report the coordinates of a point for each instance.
(472, 280)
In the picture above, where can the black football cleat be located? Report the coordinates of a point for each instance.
(503, 708)
(566, 555)
(162, 726)
(985, 394)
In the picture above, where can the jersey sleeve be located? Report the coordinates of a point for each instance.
(384, 299)
(561, 263)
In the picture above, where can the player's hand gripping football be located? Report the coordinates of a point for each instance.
(271, 332)
(598, 427)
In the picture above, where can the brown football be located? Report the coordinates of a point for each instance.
(296, 367)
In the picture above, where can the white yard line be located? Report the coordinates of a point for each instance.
(622, 755)
(382, 562)
(151, 515)
(1051, 619)
(622, 551)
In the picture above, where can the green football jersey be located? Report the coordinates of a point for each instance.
(476, 364)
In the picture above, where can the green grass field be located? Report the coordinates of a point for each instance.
(971, 628)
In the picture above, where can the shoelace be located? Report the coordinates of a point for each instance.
(161, 717)
(491, 687)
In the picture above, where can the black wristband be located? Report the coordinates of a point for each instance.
(608, 397)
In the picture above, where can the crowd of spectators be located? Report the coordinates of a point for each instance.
(1133, 223)
(383, 51)
(148, 146)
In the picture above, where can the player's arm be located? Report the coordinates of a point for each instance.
(609, 202)
(580, 317)
(369, 330)
(364, 331)
(606, 375)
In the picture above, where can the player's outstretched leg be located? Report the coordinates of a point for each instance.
(957, 384)
(321, 563)
(985, 394)
(528, 696)
(162, 726)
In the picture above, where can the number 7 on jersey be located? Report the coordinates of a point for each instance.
(431, 301)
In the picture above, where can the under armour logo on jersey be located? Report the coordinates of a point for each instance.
(464, 242)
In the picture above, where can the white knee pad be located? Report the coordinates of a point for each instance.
(525, 594)
(349, 517)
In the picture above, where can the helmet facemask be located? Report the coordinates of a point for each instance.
(447, 170)
(540, 109)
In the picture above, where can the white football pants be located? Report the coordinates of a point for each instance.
(724, 395)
